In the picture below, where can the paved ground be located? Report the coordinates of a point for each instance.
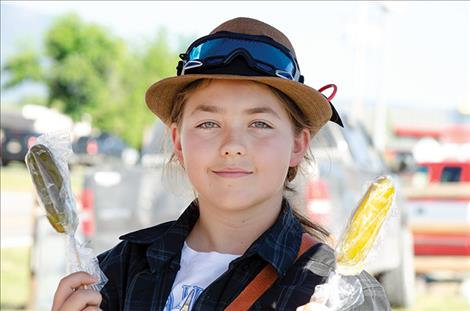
(16, 218)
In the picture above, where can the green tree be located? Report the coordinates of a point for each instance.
(143, 66)
(76, 65)
(88, 70)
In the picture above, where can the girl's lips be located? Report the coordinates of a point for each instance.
(232, 174)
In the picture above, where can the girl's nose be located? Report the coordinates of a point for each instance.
(233, 145)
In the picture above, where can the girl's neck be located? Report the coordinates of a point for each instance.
(232, 232)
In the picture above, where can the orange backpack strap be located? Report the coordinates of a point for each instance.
(260, 284)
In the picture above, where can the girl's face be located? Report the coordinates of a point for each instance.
(236, 143)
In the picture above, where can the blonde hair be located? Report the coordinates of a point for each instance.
(299, 122)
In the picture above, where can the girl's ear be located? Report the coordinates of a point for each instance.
(300, 147)
(176, 139)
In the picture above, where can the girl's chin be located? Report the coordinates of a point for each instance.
(233, 201)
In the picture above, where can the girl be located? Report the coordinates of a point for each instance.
(240, 120)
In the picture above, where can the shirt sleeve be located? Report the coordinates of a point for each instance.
(375, 298)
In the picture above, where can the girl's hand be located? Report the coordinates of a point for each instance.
(71, 294)
(313, 306)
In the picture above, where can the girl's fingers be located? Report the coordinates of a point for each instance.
(82, 299)
(92, 308)
(68, 286)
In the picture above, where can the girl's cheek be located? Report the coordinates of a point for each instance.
(200, 136)
(271, 141)
(194, 142)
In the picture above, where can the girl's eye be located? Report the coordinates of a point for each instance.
(207, 125)
(261, 124)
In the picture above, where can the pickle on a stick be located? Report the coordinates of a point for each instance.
(49, 184)
(363, 228)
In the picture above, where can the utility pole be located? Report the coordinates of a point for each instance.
(357, 107)
(380, 109)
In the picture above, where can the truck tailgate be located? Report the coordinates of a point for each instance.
(440, 219)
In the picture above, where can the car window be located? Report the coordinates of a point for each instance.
(451, 174)
(361, 148)
(80, 145)
(323, 139)
(157, 142)
(420, 177)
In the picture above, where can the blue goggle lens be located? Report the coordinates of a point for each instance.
(267, 57)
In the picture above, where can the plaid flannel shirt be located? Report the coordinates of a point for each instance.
(141, 269)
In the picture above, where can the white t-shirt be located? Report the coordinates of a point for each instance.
(197, 271)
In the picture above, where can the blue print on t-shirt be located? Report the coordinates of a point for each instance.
(189, 296)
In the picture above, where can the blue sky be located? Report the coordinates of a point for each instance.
(406, 53)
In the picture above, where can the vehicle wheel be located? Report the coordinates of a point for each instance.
(399, 284)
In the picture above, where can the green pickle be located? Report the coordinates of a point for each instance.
(49, 184)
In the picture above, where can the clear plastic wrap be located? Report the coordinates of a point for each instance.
(47, 162)
(343, 290)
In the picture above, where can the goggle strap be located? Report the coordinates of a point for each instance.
(332, 95)
(335, 115)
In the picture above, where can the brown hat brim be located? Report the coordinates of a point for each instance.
(161, 95)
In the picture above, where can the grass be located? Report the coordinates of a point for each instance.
(436, 302)
(439, 303)
(15, 177)
(14, 278)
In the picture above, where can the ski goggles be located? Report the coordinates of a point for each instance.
(262, 54)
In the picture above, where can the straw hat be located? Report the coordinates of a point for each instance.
(160, 96)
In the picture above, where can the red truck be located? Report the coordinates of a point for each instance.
(439, 211)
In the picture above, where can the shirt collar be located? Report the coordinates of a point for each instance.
(165, 241)
(278, 245)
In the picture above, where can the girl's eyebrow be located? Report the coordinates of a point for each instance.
(207, 108)
(249, 111)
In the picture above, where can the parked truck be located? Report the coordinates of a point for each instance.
(439, 208)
